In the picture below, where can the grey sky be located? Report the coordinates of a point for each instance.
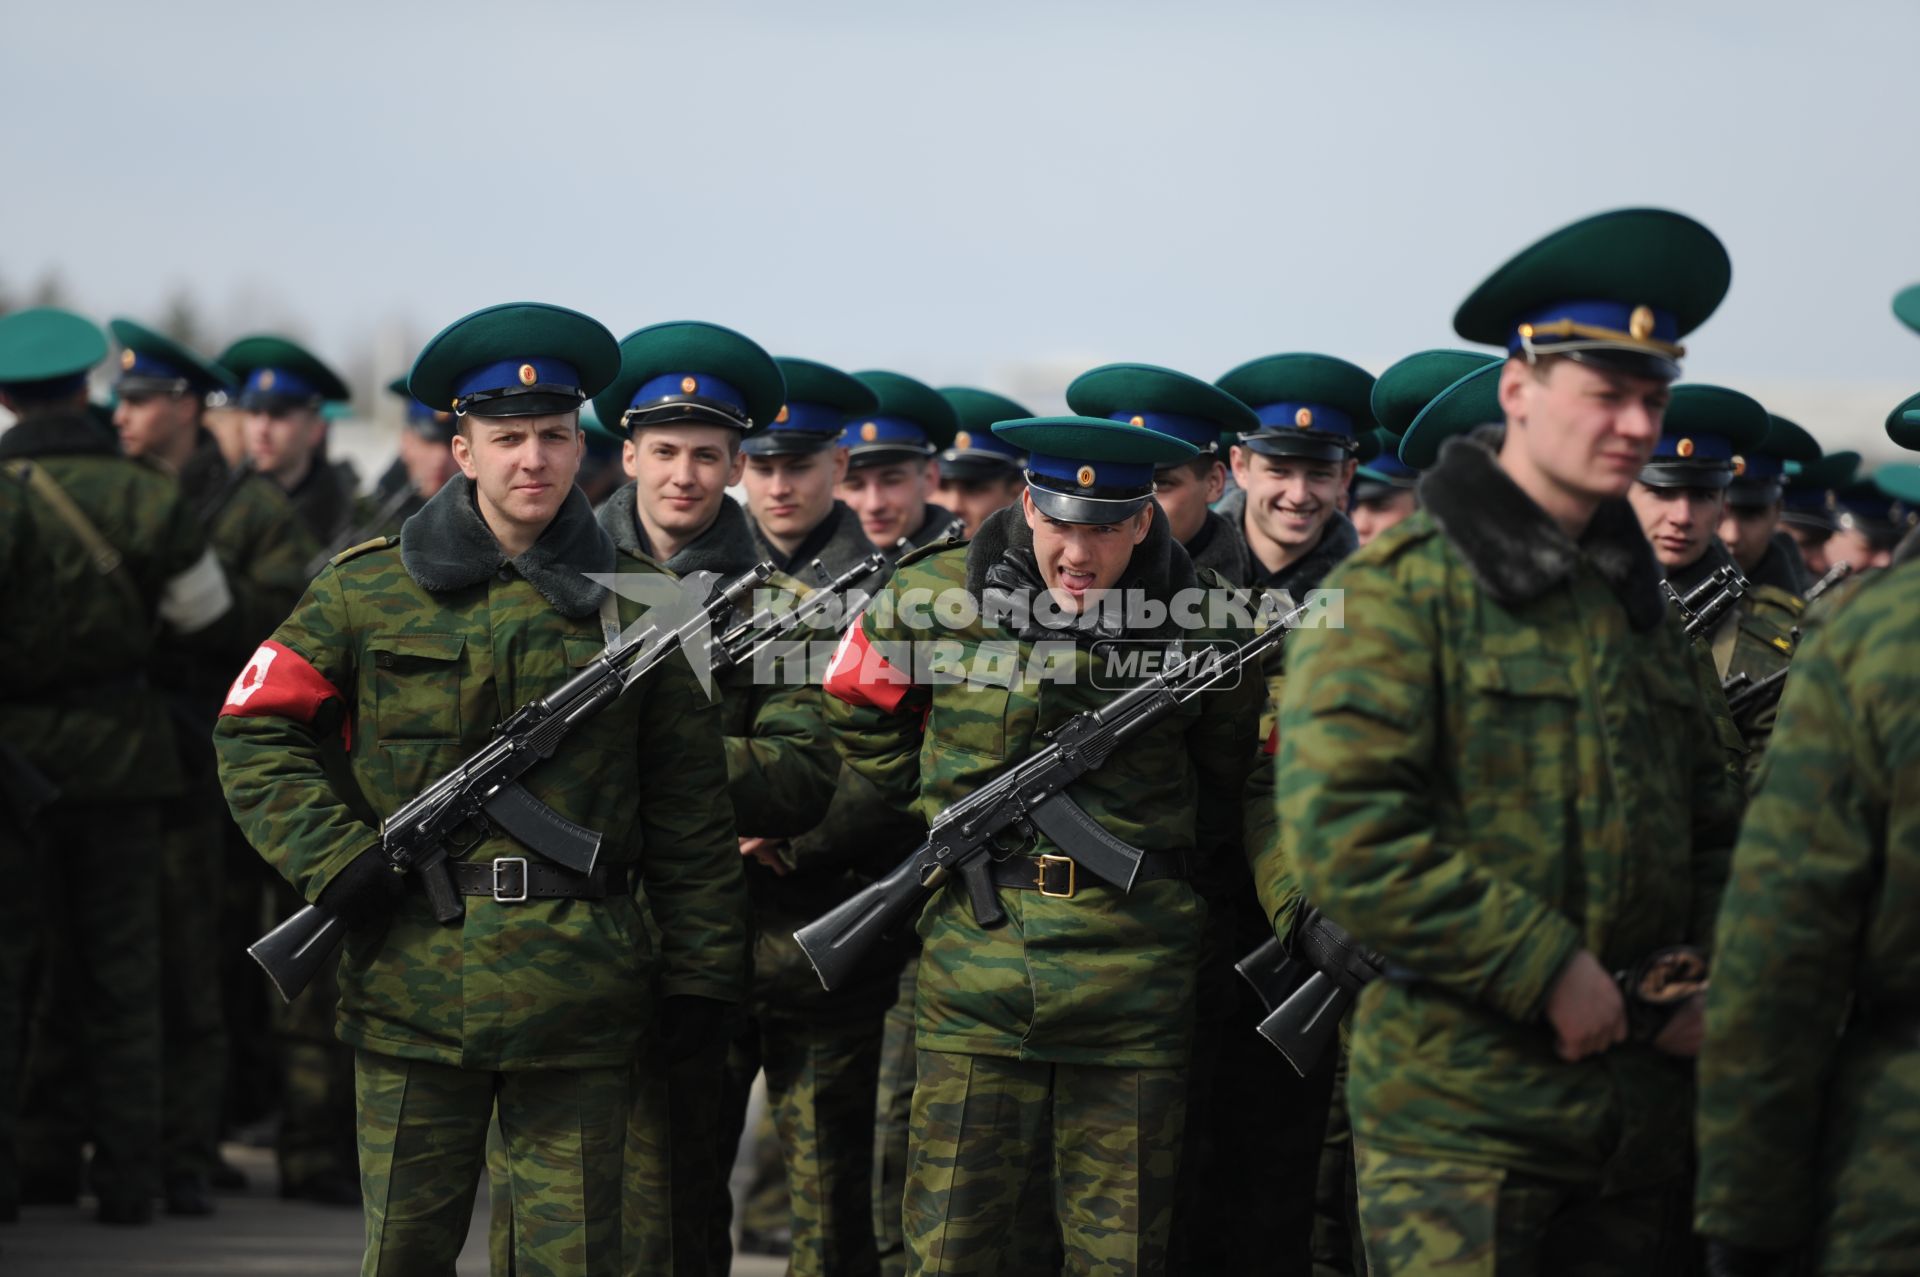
(960, 189)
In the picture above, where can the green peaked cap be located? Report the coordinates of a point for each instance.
(1468, 402)
(1788, 440)
(514, 331)
(690, 372)
(810, 381)
(1906, 306)
(1408, 386)
(265, 351)
(908, 417)
(1903, 423)
(1832, 470)
(1698, 408)
(1284, 393)
(1899, 480)
(139, 343)
(1128, 391)
(47, 344)
(977, 410)
(1630, 257)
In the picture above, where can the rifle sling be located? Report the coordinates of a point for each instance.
(106, 559)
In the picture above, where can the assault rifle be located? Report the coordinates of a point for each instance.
(1030, 796)
(747, 639)
(451, 813)
(1835, 574)
(1708, 601)
(1307, 1020)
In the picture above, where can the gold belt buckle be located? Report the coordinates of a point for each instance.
(1040, 877)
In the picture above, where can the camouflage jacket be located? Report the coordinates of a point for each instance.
(1810, 1077)
(1102, 978)
(82, 709)
(263, 547)
(1756, 637)
(1506, 756)
(414, 648)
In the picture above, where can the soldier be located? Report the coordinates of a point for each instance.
(110, 546)
(1868, 524)
(283, 389)
(980, 473)
(1679, 498)
(892, 463)
(542, 996)
(424, 465)
(1253, 1127)
(687, 393)
(1807, 1073)
(1316, 425)
(1808, 506)
(1750, 525)
(1510, 781)
(794, 465)
(264, 549)
(1074, 1017)
(1199, 415)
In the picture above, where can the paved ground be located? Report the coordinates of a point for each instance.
(257, 1234)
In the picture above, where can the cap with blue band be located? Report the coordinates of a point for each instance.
(1306, 405)
(1704, 438)
(910, 421)
(1163, 400)
(977, 453)
(1091, 469)
(820, 400)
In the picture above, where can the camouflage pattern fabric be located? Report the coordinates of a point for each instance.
(420, 677)
(1100, 978)
(1337, 1249)
(764, 1206)
(1809, 1116)
(892, 1111)
(1115, 1137)
(422, 1140)
(1433, 1217)
(1498, 762)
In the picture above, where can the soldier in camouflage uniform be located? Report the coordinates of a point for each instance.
(1810, 1073)
(687, 394)
(893, 463)
(113, 549)
(542, 997)
(1072, 1020)
(1750, 527)
(1507, 777)
(264, 549)
(1679, 498)
(425, 464)
(283, 389)
(979, 474)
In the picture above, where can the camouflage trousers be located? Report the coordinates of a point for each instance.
(981, 1126)
(192, 1021)
(1337, 1251)
(646, 1241)
(891, 1112)
(821, 1080)
(93, 1065)
(423, 1136)
(1430, 1216)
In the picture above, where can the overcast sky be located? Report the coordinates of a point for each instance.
(958, 188)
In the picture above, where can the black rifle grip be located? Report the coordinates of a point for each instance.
(981, 892)
(441, 897)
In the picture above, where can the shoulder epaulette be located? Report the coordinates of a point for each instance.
(1401, 537)
(355, 551)
(927, 551)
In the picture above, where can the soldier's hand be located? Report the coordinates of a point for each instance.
(767, 852)
(690, 1024)
(1685, 1029)
(363, 893)
(1586, 1009)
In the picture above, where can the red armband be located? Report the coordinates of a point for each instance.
(1271, 745)
(859, 675)
(279, 683)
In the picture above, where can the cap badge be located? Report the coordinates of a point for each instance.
(1684, 448)
(688, 385)
(1833, 499)
(528, 374)
(1085, 476)
(963, 440)
(266, 379)
(1640, 323)
(1739, 466)
(126, 359)
(780, 418)
(869, 432)
(1137, 421)
(1304, 419)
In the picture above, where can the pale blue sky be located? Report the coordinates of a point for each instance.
(957, 188)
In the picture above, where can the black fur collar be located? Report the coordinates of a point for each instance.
(1782, 567)
(725, 548)
(836, 541)
(938, 522)
(1337, 541)
(1000, 559)
(448, 546)
(1516, 552)
(58, 434)
(1715, 557)
(1220, 545)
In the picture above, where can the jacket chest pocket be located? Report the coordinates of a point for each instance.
(1520, 727)
(969, 710)
(416, 687)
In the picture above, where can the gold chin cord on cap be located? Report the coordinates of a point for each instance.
(1573, 336)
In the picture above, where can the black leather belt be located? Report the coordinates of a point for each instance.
(511, 879)
(1059, 876)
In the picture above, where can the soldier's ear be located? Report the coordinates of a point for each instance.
(840, 459)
